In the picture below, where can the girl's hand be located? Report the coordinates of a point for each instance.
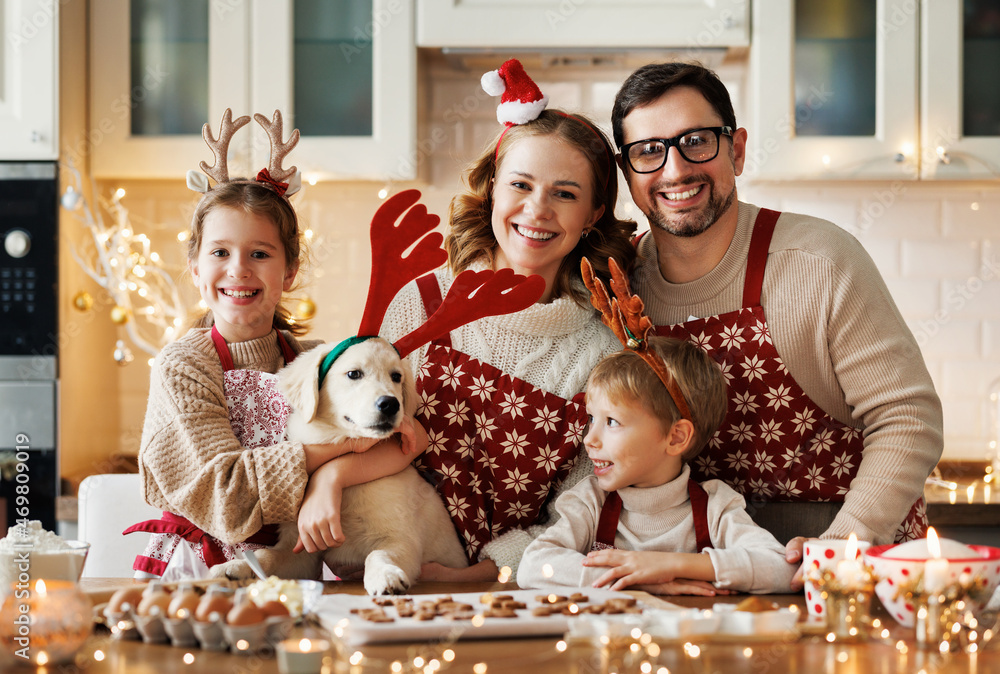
(631, 567)
(485, 570)
(319, 515)
(319, 455)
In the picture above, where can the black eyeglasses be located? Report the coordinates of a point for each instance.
(697, 147)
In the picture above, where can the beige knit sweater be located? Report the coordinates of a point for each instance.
(191, 463)
(839, 333)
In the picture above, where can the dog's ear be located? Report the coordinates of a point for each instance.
(299, 381)
(411, 398)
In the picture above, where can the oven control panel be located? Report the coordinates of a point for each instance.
(29, 304)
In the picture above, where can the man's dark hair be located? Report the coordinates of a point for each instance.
(650, 82)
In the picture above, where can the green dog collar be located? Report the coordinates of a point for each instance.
(328, 360)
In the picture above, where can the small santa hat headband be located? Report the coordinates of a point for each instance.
(273, 175)
(521, 101)
(624, 315)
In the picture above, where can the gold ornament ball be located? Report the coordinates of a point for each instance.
(306, 309)
(119, 315)
(83, 301)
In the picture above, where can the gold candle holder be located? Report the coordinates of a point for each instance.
(848, 602)
(944, 620)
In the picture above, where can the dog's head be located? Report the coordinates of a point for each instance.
(366, 392)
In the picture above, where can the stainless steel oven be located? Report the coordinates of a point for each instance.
(29, 466)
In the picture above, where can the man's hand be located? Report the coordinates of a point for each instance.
(793, 555)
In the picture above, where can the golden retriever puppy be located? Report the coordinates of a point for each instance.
(391, 525)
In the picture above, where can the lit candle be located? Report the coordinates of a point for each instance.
(302, 656)
(849, 569)
(935, 568)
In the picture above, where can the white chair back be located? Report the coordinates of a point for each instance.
(109, 504)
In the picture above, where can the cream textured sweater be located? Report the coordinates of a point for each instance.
(191, 463)
(553, 346)
(745, 557)
(840, 335)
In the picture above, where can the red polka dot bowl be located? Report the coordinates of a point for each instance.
(894, 572)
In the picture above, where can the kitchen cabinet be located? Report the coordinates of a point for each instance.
(874, 90)
(586, 24)
(29, 80)
(343, 73)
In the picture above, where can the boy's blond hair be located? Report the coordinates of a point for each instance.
(624, 376)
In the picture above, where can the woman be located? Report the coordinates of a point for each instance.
(501, 401)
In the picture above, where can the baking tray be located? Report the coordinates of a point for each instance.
(334, 612)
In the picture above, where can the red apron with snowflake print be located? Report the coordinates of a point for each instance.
(497, 445)
(258, 414)
(775, 443)
(611, 510)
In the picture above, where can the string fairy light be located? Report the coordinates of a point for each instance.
(146, 301)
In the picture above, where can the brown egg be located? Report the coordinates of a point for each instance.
(130, 596)
(184, 603)
(274, 609)
(245, 613)
(213, 602)
(155, 600)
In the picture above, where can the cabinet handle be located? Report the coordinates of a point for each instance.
(942, 156)
(36, 137)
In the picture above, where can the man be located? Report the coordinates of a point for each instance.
(833, 423)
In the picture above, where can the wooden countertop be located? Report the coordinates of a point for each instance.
(541, 655)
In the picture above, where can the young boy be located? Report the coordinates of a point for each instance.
(644, 523)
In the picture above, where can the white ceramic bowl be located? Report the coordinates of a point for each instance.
(742, 623)
(892, 572)
(688, 624)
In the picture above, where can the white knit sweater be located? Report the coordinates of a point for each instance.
(745, 557)
(552, 346)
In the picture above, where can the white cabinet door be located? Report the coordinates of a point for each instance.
(582, 23)
(245, 56)
(316, 67)
(147, 124)
(865, 90)
(29, 80)
(960, 91)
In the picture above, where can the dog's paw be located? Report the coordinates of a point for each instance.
(386, 579)
(235, 570)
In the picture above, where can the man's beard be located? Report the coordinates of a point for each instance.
(691, 223)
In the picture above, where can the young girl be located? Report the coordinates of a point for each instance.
(212, 455)
(639, 521)
(500, 395)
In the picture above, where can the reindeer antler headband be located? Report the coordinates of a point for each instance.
(273, 175)
(473, 295)
(624, 315)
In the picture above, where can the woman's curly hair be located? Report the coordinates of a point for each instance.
(471, 238)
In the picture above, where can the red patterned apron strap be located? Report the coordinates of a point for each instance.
(607, 525)
(760, 242)
(222, 349)
(267, 536)
(699, 508)
(286, 349)
(430, 293)
(169, 523)
(149, 565)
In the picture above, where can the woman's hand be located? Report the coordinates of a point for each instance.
(793, 555)
(319, 515)
(485, 570)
